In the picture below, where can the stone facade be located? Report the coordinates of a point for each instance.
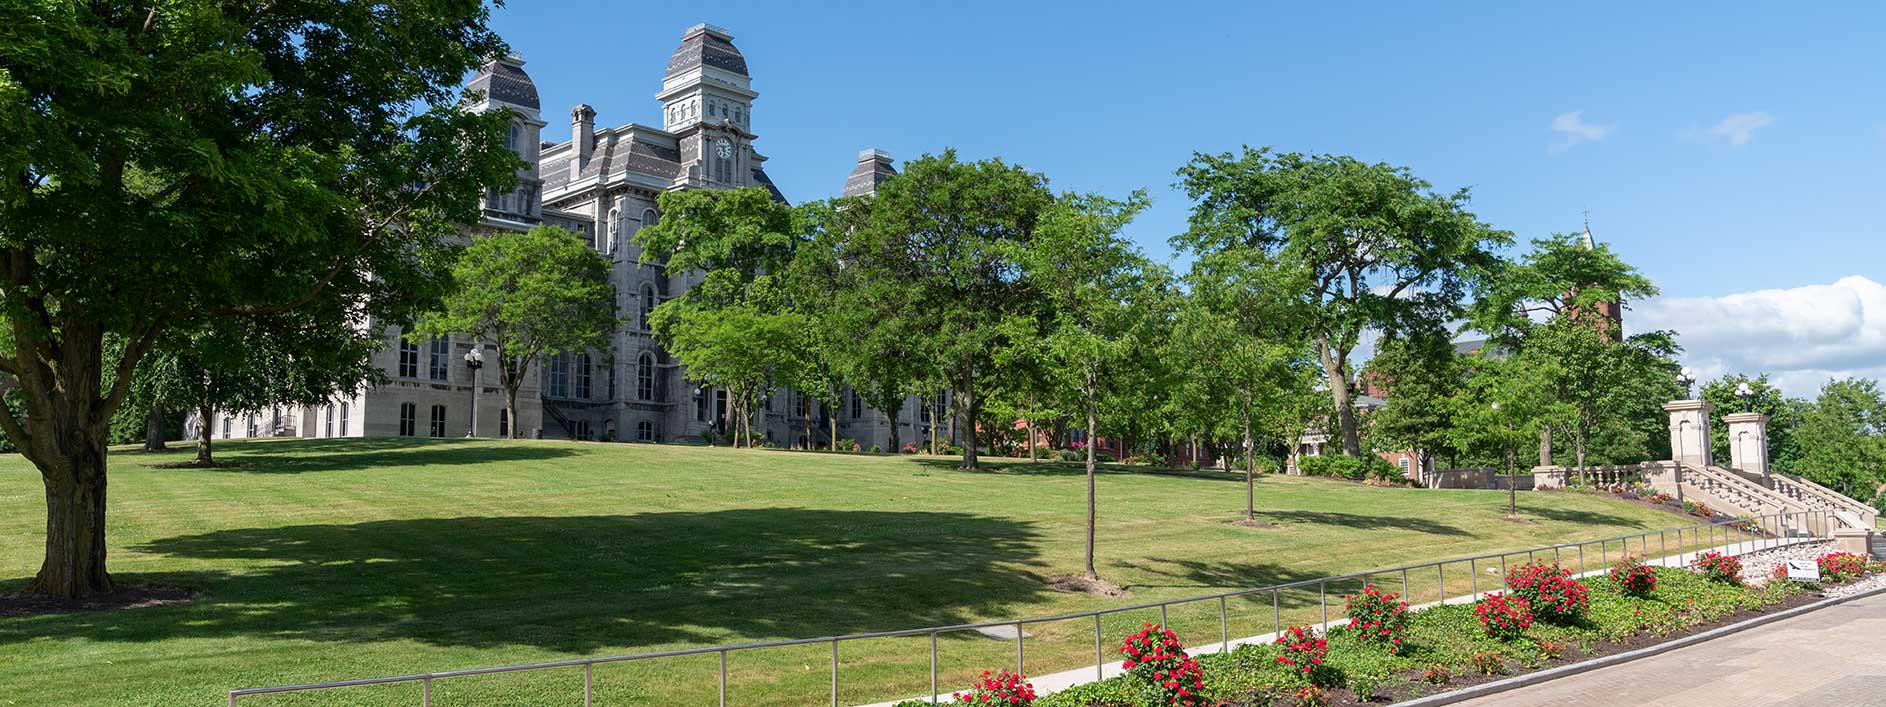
(604, 184)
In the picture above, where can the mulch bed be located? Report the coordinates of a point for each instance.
(1396, 691)
(126, 596)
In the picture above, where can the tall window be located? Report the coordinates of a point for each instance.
(648, 306)
(504, 422)
(700, 405)
(612, 381)
(650, 217)
(441, 361)
(408, 419)
(582, 376)
(803, 406)
(438, 421)
(560, 375)
(328, 425)
(408, 358)
(252, 426)
(615, 231)
(511, 137)
(645, 431)
(857, 405)
(226, 426)
(343, 419)
(645, 377)
(582, 429)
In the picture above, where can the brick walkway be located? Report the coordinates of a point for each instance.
(1835, 656)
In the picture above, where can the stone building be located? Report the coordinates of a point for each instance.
(604, 184)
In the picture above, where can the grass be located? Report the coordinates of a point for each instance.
(334, 559)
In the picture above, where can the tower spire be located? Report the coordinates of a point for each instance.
(1590, 244)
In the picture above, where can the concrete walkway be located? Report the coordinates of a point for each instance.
(1834, 656)
(1056, 682)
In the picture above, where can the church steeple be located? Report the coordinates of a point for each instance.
(1589, 243)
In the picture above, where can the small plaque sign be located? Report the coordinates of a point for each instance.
(1804, 570)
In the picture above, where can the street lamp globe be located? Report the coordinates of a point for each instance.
(1747, 395)
(474, 359)
(1686, 378)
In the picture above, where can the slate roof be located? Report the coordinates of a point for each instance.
(504, 80)
(710, 45)
(874, 167)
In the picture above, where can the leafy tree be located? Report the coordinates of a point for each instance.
(1424, 375)
(165, 165)
(1842, 437)
(528, 295)
(1093, 282)
(1373, 245)
(1604, 383)
(1766, 399)
(1504, 402)
(941, 242)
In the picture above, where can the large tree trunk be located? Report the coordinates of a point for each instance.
(205, 414)
(964, 407)
(1093, 425)
(154, 429)
(74, 566)
(1545, 445)
(895, 447)
(1339, 389)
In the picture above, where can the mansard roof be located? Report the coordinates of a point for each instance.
(874, 167)
(617, 150)
(504, 80)
(709, 45)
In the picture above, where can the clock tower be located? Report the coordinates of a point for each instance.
(707, 103)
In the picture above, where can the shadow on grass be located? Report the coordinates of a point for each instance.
(1023, 467)
(581, 583)
(318, 455)
(1364, 522)
(1215, 577)
(1568, 515)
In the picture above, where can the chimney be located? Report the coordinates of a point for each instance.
(582, 134)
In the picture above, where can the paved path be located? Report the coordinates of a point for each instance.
(1834, 656)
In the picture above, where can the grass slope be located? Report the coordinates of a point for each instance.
(335, 559)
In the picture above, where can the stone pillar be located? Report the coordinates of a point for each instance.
(1748, 442)
(1689, 431)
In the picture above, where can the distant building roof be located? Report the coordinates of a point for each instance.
(874, 167)
(504, 80)
(710, 45)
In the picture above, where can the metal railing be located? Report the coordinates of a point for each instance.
(1738, 535)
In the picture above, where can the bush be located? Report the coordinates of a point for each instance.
(1155, 658)
(1550, 589)
(1633, 577)
(1311, 696)
(876, 449)
(1841, 566)
(1360, 468)
(1717, 567)
(1306, 653)
(1003, 688)
(909, 448)
(707, 437)
(1489, 663)
(1072, 455)
(1503, 617)
(1437, 674)
(846, 445)
(1378, 617)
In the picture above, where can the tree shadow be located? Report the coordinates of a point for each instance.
(1218, 576)
(1365, 522)
(582, 583)
(1568, 515)
(319, 455)
(1023, 467)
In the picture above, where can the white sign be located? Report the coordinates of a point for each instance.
(1804, 570)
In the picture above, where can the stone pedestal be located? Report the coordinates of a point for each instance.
(1858, 541)
(1748, 443)
(1689, 431)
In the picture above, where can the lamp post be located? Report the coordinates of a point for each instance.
(474, 360)
(1686, 378)
(1747, 395)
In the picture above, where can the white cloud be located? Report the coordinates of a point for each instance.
(1573, 129)
(1739, 128)
(1801, 336)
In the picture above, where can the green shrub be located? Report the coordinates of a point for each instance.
(876, 449)
(1359, 468)
(1112, 692)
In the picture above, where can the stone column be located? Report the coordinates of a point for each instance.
(1748, 442)
(1689, 431)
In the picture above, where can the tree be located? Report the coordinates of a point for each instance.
(1842, 437)
(941, 241)
(165, 165)
(1424, 375)
(1766, 399)
(1094, 285)
(528, 295)
(1503, 403)
(1374, 246)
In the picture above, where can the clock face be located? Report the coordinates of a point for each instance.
(724, 148)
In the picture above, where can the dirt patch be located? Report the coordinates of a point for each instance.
(1083, 585)
(1252, 523)
(132, 596)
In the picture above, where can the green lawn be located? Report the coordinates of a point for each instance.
(327, 560)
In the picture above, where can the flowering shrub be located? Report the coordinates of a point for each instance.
(1550, 589)
(1306, 652)
(1003, 688)
(1503, 617)
(1549, 650)
(1718, 567)
(1841, 566)
(1312, 696)
(1489, 663)
(1698, 508)
(910, 448)
(1633, 576)
(1437, 674)
(1379, 617)
(847, 445)
(1155, 657)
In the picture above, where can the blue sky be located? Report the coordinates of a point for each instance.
(1725, 150)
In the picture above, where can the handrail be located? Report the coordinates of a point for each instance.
(1728, 528)
(1839, 500)
(1747, 488)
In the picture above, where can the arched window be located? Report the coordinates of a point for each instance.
(343, 419)
(650, 217)
(560, 376)
(615, 231)
(645, 377)
(582, 376)
(645, 431)
(252, 426)
(648, 306)
(511, 138)
(328, 425)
